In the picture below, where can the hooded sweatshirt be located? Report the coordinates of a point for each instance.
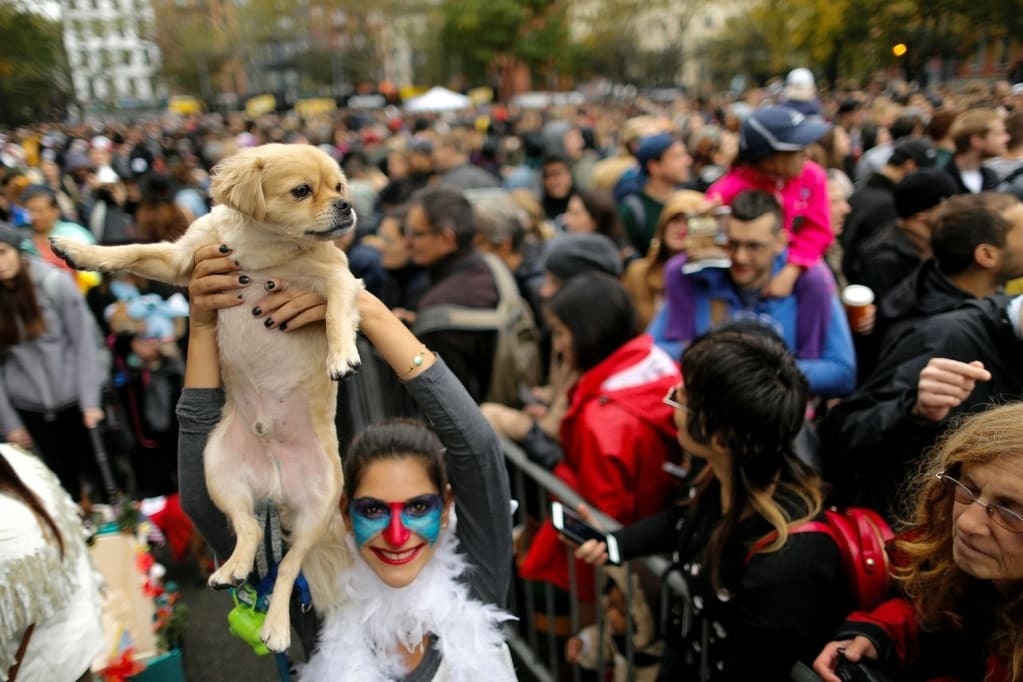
(616, 435)
(61, 367)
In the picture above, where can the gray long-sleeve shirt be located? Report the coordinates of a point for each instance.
(61, 367)
(475, 466)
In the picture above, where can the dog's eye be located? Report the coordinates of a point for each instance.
(302, 191)
(338, 188)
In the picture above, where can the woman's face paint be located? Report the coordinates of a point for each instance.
(396, 520)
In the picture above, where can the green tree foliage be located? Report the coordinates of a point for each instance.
(533, 32)
(844, 39)
(32, 81)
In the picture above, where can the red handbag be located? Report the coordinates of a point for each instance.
(861, 536)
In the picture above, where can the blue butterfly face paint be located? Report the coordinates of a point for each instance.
(396, 520)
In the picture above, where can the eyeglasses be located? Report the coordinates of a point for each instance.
(733, 246)
(671, 398)
(1002, 516)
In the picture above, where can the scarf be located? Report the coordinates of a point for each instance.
(359, 639)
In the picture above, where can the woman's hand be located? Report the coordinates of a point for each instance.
(216, 283)
(852, 649)
(19, 437)
(592, 552)
(92, 416)
(573, 648)
(286, 308)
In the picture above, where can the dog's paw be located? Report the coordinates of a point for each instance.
(341, 365)
(64, 249)
(227, 576)
(276, 636)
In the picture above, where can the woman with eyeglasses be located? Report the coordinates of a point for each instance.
(753, 612)
(616, 433)
(958, 566)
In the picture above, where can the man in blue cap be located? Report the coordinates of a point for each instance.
(664, 163)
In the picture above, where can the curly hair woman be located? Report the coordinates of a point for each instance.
(958, 566)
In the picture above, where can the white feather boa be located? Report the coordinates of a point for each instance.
(359, 639)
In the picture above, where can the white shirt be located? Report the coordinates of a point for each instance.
(61, 596)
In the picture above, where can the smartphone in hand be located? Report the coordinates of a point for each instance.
(569, 524)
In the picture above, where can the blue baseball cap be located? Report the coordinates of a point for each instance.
(778, 129)
(653, 147)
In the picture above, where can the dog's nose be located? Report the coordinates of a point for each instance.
(343, 205)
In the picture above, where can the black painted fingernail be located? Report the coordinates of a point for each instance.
(257, 311)
(283, 326)
(270, 285)
(268, 323)
(224, 248)
(244, 279)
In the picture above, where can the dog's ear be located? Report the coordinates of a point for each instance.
(238, 183)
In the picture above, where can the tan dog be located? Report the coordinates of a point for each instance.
(279, 207)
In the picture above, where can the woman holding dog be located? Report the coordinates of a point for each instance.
(738, 409)
(424, 596)
(959, 566)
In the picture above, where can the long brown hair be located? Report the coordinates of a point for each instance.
(12, 485)
(21, 319)
(929, 576)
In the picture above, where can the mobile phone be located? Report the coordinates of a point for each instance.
(676, 470)
(571, 525)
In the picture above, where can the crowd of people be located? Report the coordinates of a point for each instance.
(712, 318)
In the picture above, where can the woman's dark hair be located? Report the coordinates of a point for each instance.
(21, 318)
(11, 484)
(744, 389)
(601, 207)
(598, 312)
(395, 439)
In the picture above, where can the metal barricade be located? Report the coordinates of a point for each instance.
(539, 652)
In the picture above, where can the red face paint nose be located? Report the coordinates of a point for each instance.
(396, 534)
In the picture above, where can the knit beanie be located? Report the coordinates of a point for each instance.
(574, 254)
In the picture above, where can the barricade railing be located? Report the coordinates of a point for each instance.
(540, 652)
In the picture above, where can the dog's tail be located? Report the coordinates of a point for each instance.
(324, 564)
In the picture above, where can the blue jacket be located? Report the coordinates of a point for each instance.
(687, 313)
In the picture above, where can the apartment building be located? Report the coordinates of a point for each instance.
(111, 61)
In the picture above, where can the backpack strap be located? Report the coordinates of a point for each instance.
(808, 527)
(1011, 177)
(451, 316)
(638, 210)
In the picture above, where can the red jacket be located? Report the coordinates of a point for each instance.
(616, 435)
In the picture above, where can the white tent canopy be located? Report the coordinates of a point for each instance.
(438, 99)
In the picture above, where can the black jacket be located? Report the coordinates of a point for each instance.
(465, 280)
(872, 207)
(926, 292)
(887, 258)
(871, 443)
(989, 179)
(776, 608)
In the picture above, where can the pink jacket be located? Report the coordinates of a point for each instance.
(804, 202)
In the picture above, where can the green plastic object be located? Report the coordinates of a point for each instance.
(245, 622)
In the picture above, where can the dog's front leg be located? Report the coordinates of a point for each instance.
(342, 324)
(164, 262)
